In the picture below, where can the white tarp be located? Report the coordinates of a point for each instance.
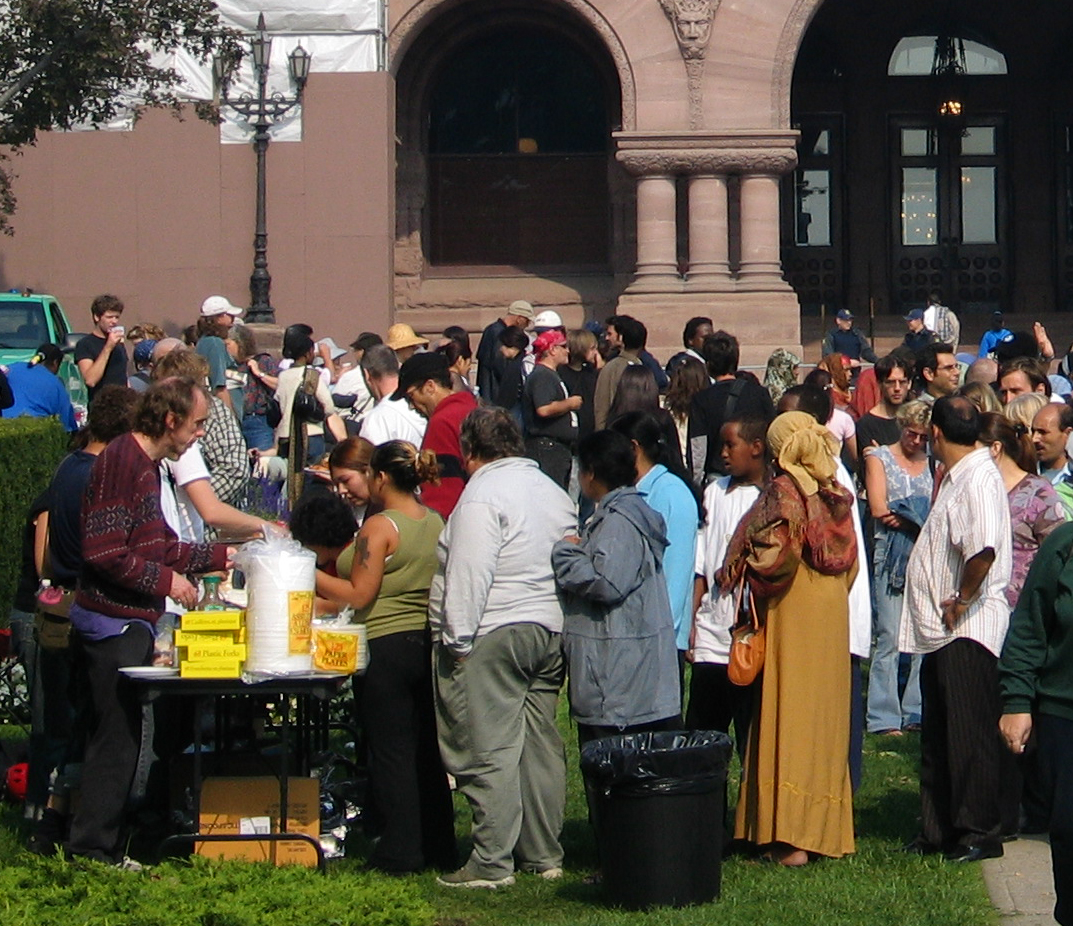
(343, 36)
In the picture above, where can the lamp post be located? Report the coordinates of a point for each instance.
(262, 111)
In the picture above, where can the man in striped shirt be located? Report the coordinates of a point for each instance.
(955, 613)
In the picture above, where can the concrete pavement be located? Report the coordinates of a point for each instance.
(1021, 884)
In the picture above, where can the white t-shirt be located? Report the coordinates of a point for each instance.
(178, 510)
(393, 419)
(715, 616)
(352, 382)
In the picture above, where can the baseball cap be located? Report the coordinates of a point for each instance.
(547, 341)
(916, 315)
(219, 305)
(143, 351)
(548, 319)
(522, 308)
(419, 369)
(365, 340)
(844, 315)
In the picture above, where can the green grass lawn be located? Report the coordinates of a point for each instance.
(876, 886)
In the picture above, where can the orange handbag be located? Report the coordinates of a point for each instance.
(747, 641)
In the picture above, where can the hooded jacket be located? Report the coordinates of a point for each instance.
(618, 631)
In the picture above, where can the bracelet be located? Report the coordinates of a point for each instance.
(958, 599)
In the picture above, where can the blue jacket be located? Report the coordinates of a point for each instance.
(618, 632)
(667, 494)
(39, 393)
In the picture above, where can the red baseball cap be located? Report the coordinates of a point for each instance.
(547, 341)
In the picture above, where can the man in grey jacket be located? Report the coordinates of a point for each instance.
(496, 622)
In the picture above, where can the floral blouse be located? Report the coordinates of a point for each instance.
(1035, 511)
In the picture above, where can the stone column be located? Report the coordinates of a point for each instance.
(761, 267)
(657, 262)
(709, 266)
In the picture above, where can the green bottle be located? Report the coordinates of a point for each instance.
(211, 599)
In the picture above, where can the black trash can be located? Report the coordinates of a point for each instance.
(658, 802)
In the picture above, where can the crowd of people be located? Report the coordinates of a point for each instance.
(578, 512)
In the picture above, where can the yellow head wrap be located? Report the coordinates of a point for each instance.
(803, 449)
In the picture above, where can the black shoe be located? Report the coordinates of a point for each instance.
(973, 853)
(919, 847)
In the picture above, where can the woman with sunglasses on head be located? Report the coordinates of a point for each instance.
(899, 483)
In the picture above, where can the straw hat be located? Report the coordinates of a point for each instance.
(401, 336)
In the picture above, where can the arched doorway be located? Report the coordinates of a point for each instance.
(506, 166)
(896, 195)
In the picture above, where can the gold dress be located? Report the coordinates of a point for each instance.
(796, 782)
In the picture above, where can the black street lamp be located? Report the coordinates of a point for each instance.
(262, 112)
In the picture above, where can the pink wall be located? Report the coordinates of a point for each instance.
(163, 215)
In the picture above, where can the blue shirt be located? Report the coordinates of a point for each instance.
(39, 393)
(992, 339)
(670, 496)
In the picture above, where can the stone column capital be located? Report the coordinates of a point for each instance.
(760, 152)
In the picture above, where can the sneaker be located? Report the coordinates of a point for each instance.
(128, 864)
(466, 878)
(550, 874)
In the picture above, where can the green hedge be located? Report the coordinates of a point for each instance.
(30, 449)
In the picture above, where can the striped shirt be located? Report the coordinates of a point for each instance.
(969, 515)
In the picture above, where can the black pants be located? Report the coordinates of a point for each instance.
(407, 783)
(856, 722)
(1054, 736)
(114, 741)
(960, 761)
(715, 702)
(553, 457)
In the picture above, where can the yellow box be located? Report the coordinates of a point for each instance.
(201, 637)
(201, 651)
(211, 668)
(212, 620)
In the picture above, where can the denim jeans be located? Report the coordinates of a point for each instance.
(258, 434)
(886, 710)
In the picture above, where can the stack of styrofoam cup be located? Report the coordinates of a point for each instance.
(280, 580)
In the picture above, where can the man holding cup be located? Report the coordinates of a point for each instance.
(100, 355)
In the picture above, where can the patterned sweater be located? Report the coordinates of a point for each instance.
(129, 552)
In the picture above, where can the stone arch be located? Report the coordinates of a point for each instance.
(420, 42)
(793, 31)
(418, 17)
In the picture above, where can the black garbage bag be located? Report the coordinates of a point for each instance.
(675, 762)
(658, 802)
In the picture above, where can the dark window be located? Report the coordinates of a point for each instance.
(518, 143)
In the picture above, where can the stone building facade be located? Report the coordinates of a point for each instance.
(665, 158)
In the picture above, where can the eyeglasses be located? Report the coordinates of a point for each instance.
(915, 436)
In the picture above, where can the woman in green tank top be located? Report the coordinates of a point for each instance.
(385, 576)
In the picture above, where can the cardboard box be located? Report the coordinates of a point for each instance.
(212, 620)
(198, 652)
(211, 668)
(250, 806)
(197, 637)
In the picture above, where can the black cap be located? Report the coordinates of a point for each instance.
(419, 369)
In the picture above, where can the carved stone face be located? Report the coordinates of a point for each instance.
(693, 25)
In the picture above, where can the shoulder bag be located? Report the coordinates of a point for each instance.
(307, 407)
(747, 640)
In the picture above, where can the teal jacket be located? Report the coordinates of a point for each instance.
(1036, 668)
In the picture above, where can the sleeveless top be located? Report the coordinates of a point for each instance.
(402, 604)
(899, 483)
